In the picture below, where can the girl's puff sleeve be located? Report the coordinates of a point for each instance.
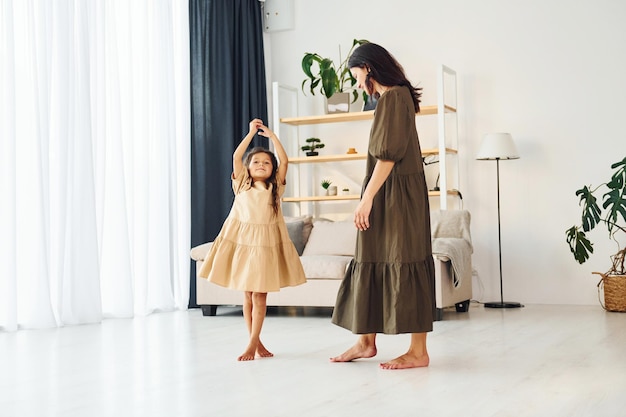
(388, 138)
(241, 181)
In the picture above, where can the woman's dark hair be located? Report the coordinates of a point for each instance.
(383, 67)
(272, 178)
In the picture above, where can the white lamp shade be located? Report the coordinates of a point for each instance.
(497, 146)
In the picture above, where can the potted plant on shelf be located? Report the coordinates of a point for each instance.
(614, 219)
(313, 144)
(334, 82)
(326, 184)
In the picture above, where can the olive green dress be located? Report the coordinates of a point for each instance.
(390, 285)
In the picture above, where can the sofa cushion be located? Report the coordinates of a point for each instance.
(325, 266)
(331, 238)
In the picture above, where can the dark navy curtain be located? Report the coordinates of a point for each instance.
(227, 91)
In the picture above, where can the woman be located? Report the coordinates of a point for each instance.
(390, 285)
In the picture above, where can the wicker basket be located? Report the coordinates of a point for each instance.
(614, 287)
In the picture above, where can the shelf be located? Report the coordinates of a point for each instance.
(435, 151)
(327, 158)
(329, 118)
(438, 193)
(351, 116)
(321, 198)
(353, 156)
(348, 197)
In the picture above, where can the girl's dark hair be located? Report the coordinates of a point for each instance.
(272, 178)
(383, 67)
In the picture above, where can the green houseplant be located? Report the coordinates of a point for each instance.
(612, 215)
(325, 185)
(323, 74)
(312, 145)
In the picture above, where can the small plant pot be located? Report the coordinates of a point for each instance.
(332, 190)
(345, 192)
(312, 153)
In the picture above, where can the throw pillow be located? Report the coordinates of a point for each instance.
(295, 234)
(299, 229)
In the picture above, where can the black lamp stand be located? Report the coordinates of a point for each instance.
(501, 303)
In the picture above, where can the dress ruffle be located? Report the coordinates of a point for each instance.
(253, 257)
(389, 298)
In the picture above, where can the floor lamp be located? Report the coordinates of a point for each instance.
(497, 146)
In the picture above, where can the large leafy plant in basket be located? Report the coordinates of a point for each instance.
(612, 214)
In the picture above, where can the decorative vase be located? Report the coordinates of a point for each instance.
(332, 190)
(338, 103)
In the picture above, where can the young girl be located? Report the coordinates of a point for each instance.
(253, 252)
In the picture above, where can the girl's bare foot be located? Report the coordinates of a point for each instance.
(358, 351)
(248, 355)
(263, 352)
(406, 361)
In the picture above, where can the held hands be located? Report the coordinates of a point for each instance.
(257, 126)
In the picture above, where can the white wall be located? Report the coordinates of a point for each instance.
(549, 72)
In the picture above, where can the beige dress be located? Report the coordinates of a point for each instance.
(253, 251)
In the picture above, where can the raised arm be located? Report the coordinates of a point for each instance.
(281, 174)
(243, 146)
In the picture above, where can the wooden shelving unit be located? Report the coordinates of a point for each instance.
(447, 141)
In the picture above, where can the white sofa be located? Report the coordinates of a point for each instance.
(326, 249)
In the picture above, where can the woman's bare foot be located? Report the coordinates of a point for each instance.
(406, 361)
(358, 351)
(263, 352)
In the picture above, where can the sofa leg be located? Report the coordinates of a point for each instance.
(439, 314)
(463, 306)
(209, 310)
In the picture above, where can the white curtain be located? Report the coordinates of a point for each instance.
(94, 160)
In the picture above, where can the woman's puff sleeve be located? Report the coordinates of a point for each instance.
(389, 130)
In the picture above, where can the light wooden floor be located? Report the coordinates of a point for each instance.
(535, 361)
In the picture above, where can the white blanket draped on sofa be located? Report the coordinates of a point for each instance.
(452, 241)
